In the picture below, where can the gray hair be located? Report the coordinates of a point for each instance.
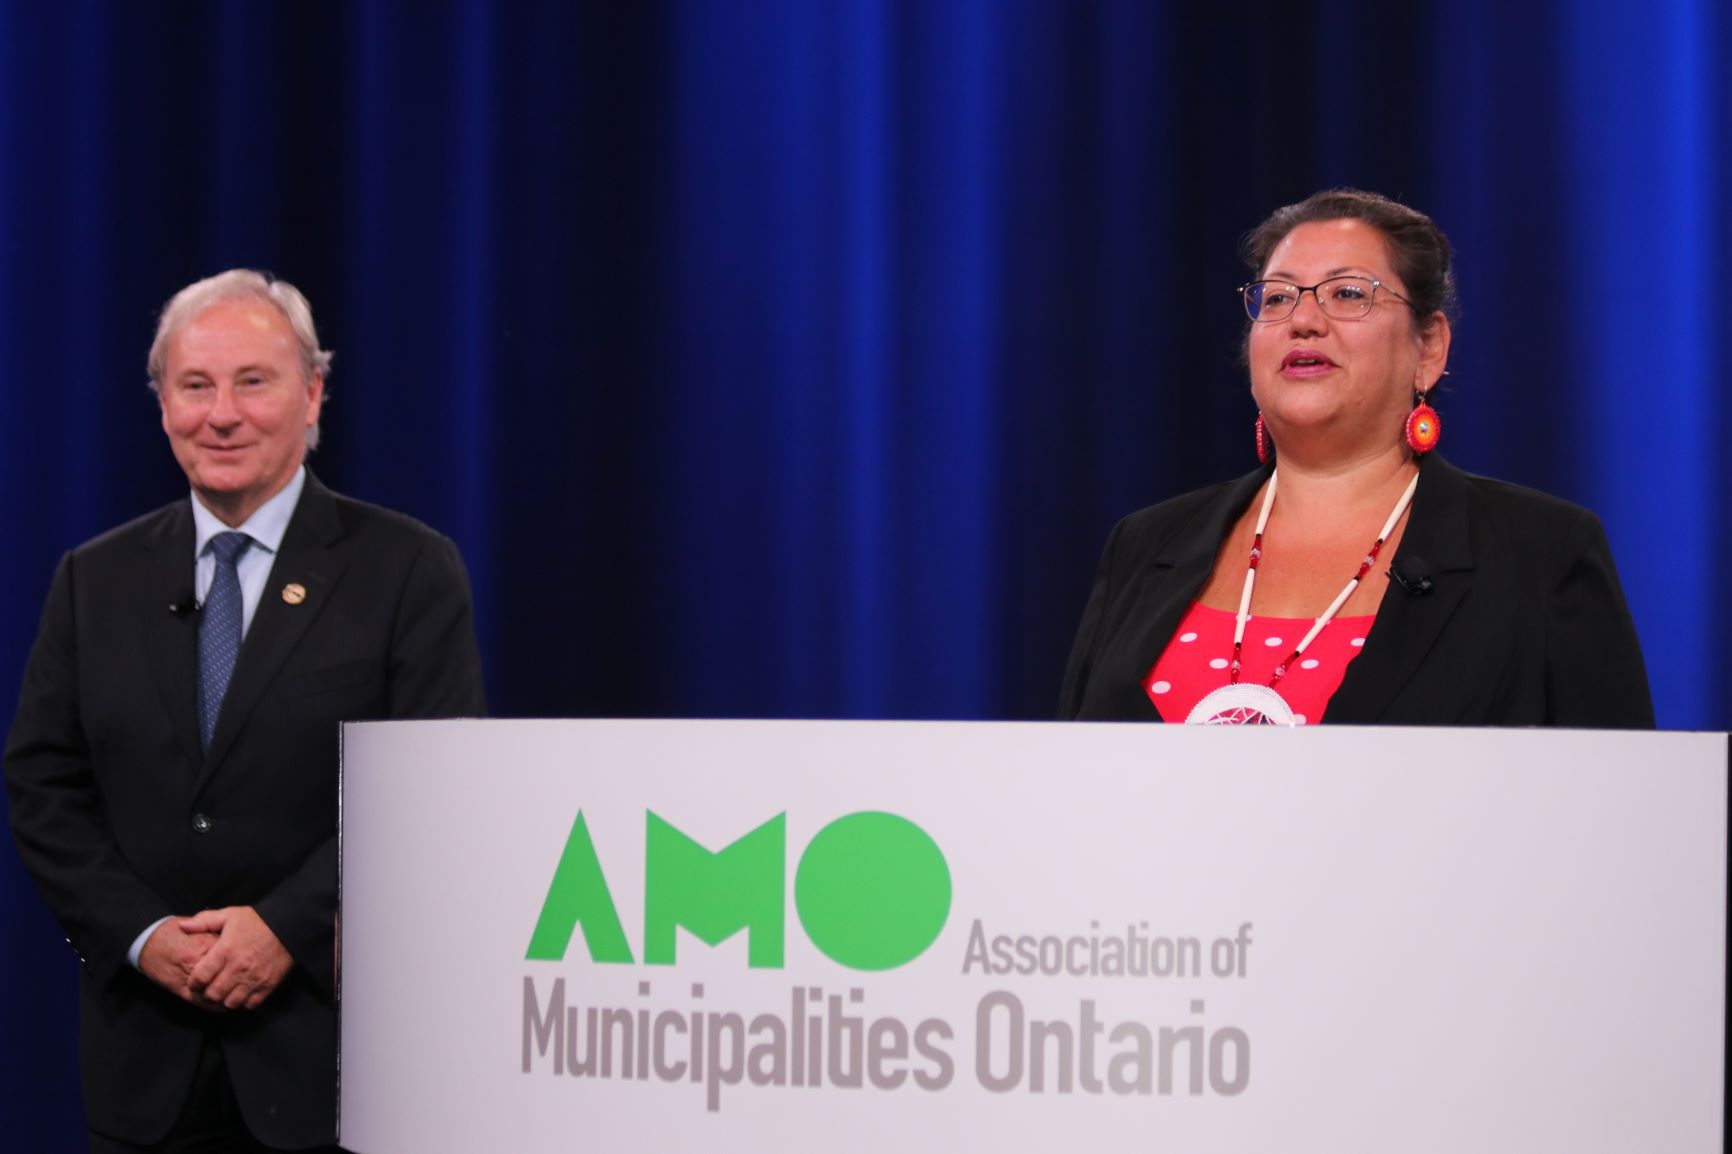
(241, 284)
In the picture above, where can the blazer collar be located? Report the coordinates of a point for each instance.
(310, 558)
(1200, 542)
(1408, 624)
(1170, 583)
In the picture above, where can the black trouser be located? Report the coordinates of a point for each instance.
(210, 1123)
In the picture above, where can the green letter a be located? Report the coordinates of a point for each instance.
(579, 893)
(714, 895)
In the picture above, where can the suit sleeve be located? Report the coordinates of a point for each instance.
(435, 666)
(1595, 676)
(1083, 649)
(57, 813)
(433, 670)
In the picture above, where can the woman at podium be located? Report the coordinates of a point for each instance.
(1356, 577)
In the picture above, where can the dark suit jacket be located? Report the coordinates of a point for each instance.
(1525, 623)
(122, 819)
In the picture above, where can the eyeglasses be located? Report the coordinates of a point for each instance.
(1342, 297)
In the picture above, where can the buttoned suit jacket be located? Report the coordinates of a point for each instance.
(1523, 623)
(122, 819)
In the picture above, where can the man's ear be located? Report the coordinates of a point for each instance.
(315, 397)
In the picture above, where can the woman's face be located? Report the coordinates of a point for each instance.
(1349, 382)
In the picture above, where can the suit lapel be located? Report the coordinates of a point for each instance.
(171, 630)
(1170, 584)
(1408, 624)
(308, 559)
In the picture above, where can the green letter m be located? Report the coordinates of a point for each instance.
(714, 895)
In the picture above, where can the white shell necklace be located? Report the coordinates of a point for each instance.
(1243, 701)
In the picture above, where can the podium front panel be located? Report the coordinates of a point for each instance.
(850, 936)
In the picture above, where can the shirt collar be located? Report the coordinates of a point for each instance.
(267, 524)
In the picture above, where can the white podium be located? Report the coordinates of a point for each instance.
(838, 936)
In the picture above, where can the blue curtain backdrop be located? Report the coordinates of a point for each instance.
(792, 358)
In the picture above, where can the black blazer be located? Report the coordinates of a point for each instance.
(1524, 624)
(122, 819)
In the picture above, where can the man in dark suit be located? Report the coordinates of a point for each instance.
(172, 768)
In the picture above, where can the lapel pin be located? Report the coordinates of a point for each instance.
(294, 593)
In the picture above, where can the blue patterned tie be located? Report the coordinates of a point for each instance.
(219, 631)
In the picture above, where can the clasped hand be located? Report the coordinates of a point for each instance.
(225, 959)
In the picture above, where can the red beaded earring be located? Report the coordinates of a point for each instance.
(1265, 443)
(1424, 426)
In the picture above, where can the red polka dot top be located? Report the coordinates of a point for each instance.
(1195, 661)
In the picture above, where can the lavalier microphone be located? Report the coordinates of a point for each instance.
(1412, 573)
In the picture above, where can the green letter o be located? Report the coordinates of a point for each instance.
(872, 891)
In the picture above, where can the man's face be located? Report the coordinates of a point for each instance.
(236, 405)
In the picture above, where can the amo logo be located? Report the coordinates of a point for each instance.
(872, 891)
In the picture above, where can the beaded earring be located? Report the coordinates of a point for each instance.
(1423, 427)
(1265, 443)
